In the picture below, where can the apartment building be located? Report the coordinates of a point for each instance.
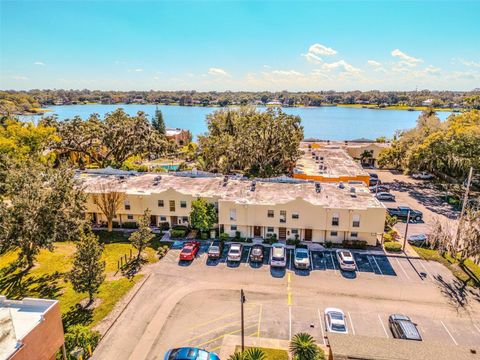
(289, 208)
(30, 329)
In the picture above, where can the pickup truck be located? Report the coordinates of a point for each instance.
(401, 212)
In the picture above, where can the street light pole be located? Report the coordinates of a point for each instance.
(406, 231)
(242, 301)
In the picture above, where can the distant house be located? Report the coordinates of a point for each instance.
(180, 136)
(428, 102)
(274, 103)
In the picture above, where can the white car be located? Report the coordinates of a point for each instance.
(302, 258)
(335, 321)
(423, 176)
(385, 196)
(278, 255)
(235, 252)
(346, 260)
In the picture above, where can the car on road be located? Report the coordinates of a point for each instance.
(235, 252)
(417, 239)
(215, 250)
(301, 259)
(402, 327)
(256, 253)
(401, 212)
(190, 353)
(346, 260)
(335, 321)
(385, 196)
(189, 250)
(379, 188)
(423, 176)
(278, 255)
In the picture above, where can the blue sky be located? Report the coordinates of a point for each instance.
(244, 45)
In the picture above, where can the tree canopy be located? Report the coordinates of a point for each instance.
(203, 215)
(257, 143)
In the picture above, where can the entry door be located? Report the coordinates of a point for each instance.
(153, 220)
(282, 233)
(308, 235)
(174, 220)
(257, 231)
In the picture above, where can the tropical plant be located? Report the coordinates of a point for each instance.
(80, 337)
(304, 347)
(249, 354)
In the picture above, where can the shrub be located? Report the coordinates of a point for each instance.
(223, 236)
(354, 244)
(204, 236)
(162, 251)
(328, 244)
(177, 233)
(392, 246)
(80, 336)
(115, 224)
(293, 242)
(180, 227)
(130, 225)
(164, 226)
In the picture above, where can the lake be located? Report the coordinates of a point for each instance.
(333, 123)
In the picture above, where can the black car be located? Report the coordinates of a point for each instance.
(401, 212)
(215, 250)
(374, 181)
(403, 328)
(256, 254)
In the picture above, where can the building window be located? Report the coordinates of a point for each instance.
(354, 234)
(183, 204)
(283, 216)
(163, 218)
(335, 219)
(172, 205)
(160, 203)
(333, 233)
(270, 214)
(233, 214)
(270, 230)
(295, 216)
(295, 231)
(185, 219)
(356, 221)
(130, 217)
(127, 204)
(233, 227)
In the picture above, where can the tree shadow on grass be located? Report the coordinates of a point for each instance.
(457, 292)
(77, 315)
(131, 268)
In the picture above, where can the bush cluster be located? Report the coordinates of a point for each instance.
(393, 246)
(177, 233)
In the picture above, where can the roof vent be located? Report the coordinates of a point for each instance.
(341, 185)
(157, 178)
(253, 186)
(318, 187)
(225, 180)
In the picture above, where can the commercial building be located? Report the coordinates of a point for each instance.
(289, 208)
(30, 329)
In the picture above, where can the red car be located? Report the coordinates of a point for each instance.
(190, 249)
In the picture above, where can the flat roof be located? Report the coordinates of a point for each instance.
(17, 319)
(266, 191)
(328, 161)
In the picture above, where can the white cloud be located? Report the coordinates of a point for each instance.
(287, 73)
(217, 72)
(374, 63)
(317, 50)
(137, 70)
(39, 63)
(406, 59)
(19, 77)
(341, 65)
(469, 63)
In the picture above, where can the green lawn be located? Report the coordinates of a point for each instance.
(469, 273)
(271, 354)
(47, 279)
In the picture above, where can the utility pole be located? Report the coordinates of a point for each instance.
(242, 301)
(465, 201)
(406, 231)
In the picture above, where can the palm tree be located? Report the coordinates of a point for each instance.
(249, 354)
(236, 356)
(303, 347)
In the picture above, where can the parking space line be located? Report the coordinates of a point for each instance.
(351, 322)
(476, 327)
(311, 262)
(248, 256)
(290, 252)
(449, 333)
(321, 327)
(333, 262)
(217, 328)
(216, 319)
(378, 267)
(259, 320)
(383, 326)
(222, 336)
(401, 267)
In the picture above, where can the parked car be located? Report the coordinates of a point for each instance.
(346, 260)
(215, 250)
(385, 196)
(301, 258)
(373, 181)
(403, 328)
(190, 353)
(401, 212)
(235, 252)
(423, 176)
(278, 255)
(256, 253)
(335, 321)
(379, 188)
(189, 250)
(373, 175)
(417, 239)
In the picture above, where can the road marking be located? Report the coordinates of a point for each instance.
(218, 318)
(333, 262)
(290, 252)
(424, 268)
(259, 320)
(217, 328)
(476, 327)
(351, 322)
(408, 277)
(379, 269)
(311, 262)
(321, 327)
(383, 326)
(223, 335)
(289, 323)
(248, 256)
(449, 333)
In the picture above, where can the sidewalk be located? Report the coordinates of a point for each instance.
(230, 342)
